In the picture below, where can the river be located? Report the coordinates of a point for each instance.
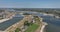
(6, 24)
(53, 23)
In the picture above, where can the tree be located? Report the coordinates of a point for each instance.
(26, 14)
(17, 30)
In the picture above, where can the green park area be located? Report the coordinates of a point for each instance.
(32, 28)
(17, 30)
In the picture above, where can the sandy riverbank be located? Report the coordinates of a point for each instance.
(43, 26)
(5, 19)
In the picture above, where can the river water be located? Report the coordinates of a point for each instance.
(53, 23)
(8, 23)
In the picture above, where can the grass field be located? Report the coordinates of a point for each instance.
(32, 28)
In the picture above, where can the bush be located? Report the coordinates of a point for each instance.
(17, 30)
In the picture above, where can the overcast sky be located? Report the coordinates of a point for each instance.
(29, 3)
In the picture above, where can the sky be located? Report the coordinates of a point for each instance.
(29, 3)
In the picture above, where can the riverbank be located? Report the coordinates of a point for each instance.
(45, 14)
(5, 19)
(55, 16)
(43, 26)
